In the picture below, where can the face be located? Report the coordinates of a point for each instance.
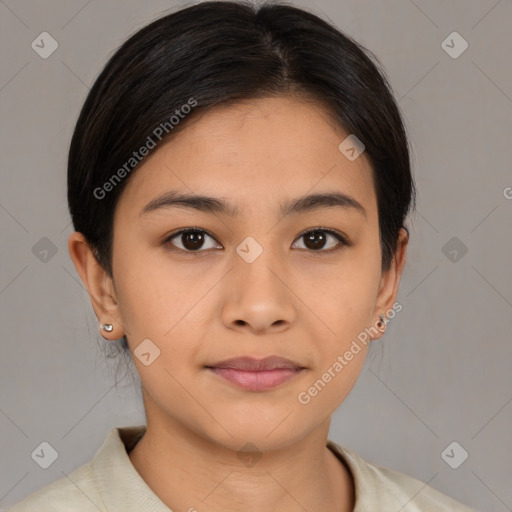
(270, 273)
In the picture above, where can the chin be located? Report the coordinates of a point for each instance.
(263, 436)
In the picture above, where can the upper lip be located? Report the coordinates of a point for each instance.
(254, 364)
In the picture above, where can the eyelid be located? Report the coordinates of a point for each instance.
(343, 239)
(167, 239)
(340, 236)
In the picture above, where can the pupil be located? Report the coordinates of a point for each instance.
(317, 239)
(193, 240)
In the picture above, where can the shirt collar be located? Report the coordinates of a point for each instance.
(124, 490)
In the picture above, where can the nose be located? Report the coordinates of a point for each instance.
(259, 296)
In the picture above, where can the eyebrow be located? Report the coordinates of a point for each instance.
(218, 205)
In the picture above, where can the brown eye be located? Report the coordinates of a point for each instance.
(190, 240)
(316, 240)
(198, 240)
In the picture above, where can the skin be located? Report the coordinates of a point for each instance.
(203, 307)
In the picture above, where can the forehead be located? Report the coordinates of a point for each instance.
(256, 152)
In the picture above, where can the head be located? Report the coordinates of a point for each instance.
(235, 124)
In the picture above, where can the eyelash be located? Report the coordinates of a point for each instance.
(343, 241)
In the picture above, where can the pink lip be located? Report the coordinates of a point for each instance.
(256, 374)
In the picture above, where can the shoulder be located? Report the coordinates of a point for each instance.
(107, 482)
(75, 492)
(384, 489)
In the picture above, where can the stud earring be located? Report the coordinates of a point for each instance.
(107, 327)
(381, 324)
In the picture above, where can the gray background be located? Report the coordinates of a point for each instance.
(442, 371)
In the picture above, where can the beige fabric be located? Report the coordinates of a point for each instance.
(110, 483)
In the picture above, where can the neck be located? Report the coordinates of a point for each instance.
(189, 473)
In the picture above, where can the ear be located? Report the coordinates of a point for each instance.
(99, 285)
(390, 281)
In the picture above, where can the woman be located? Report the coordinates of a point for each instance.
(239, 181)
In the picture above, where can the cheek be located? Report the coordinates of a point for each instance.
(157, 302)
(347, 301)
(345, 310)
(150, 293)
(328, 387)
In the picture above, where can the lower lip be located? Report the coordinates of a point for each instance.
(256, 380)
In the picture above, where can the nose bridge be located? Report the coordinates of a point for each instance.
(257, 296)
(257, 264)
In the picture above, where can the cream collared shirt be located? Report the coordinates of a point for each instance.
(110, 483)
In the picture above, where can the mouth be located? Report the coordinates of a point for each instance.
(256, 374)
